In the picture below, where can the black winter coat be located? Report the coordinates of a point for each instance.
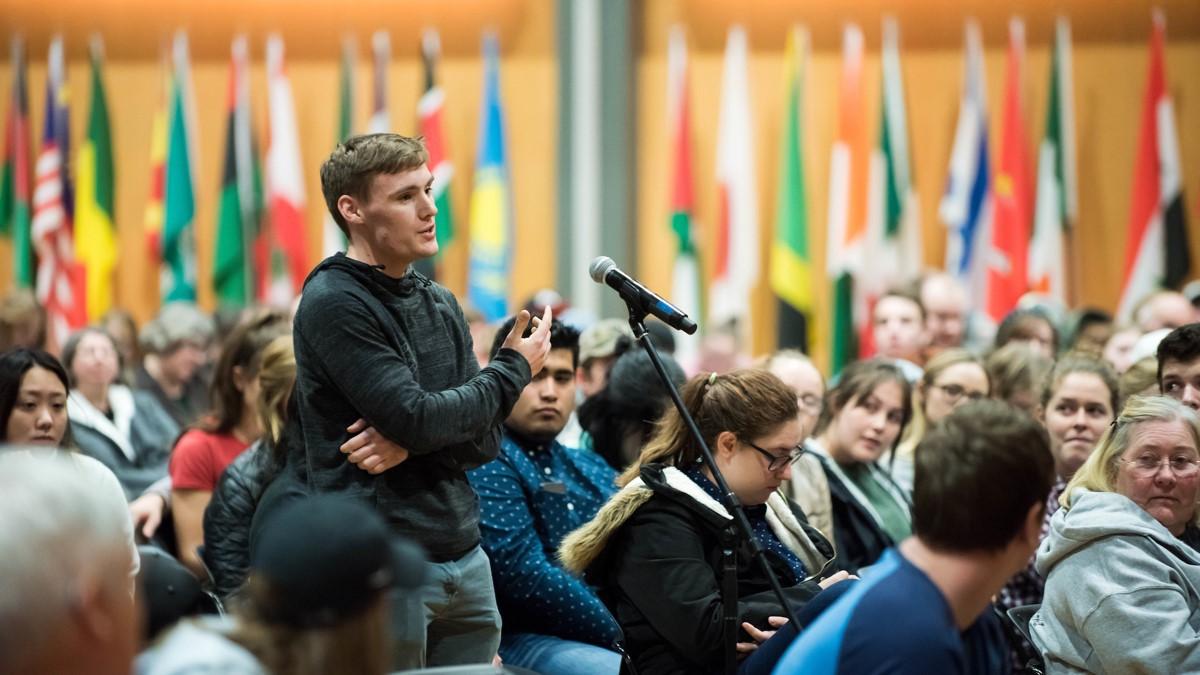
(227, 518)
(659, 569)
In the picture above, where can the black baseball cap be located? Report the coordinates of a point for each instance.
(327, 558)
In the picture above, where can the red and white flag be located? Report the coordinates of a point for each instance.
(60, 277)
(1156, 252)
(286, 255)
(736, 254)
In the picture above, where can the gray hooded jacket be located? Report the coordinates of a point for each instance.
(1121, 592)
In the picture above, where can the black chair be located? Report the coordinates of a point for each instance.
(1019, 617)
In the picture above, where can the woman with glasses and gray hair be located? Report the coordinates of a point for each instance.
(1122, 590)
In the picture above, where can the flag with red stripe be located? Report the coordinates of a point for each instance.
(1156, 250)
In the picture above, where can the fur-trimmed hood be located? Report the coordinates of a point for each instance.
(582, 547)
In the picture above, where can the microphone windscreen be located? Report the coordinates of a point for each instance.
(600, 267)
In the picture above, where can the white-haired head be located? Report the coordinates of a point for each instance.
(64, 570)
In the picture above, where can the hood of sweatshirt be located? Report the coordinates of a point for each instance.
(372, 276)
(1096, 515)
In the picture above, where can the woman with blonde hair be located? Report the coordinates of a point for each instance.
(952, 378)
(1122, 587)
(654, 551)
(1079, 400)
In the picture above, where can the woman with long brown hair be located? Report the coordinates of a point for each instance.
(202, 453)
(655, 549)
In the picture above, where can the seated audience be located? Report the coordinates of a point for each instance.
(952, 378)
(945, 301)
(1092, 330)
(316, 601)
(1031, 327)
(33, 409)
(1163, 309)
(530, 497)
(619, 419)
(22, 321)
(175, 347)
(1141, 379)
(202, 453)
(863, 418)
(66, 600)
(980, 487)
(127, 430)
(898, 331)
(1017, 374)
(808, 486)
(1179, 365)
(598, 352)
(654, 551)
(229, 513)
(1122, 590)
(1079, 402)
(1118, 351)
(120, 325)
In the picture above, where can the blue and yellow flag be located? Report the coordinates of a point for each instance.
(491, 200)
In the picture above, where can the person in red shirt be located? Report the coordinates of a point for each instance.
(202, 453)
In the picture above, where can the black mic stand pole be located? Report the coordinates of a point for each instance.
(637, 319)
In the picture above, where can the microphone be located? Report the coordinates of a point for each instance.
(604, 271)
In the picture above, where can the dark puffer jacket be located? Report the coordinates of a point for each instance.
(654, 553)
(227, 518)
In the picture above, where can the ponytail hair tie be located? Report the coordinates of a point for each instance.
(712, 378)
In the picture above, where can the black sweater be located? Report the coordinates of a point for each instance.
(398, 353)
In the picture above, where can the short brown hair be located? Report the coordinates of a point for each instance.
(977, 475)
(356, 161)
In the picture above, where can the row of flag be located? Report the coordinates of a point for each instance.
(1006, 219)
(64, 240)
(1005, 222)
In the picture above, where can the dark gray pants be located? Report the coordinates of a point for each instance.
(451, 620)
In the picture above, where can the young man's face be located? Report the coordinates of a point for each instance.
(398, 216)
(1181, 381)
(899, 330)
(542, 410)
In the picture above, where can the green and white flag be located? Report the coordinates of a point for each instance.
(685, 279)
(1056, 206)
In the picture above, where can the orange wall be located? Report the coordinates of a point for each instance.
(1109, 88)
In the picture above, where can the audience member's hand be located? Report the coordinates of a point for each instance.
(370, 451)
(759, 636)
(835, 578)
(147, 513)
(535, 347)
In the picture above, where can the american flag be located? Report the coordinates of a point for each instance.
(60, 277)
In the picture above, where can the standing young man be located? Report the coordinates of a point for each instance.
(379, 345)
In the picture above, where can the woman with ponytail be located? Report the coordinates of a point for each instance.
(654, 550)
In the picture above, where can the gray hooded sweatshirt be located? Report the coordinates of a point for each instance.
(1121, 592)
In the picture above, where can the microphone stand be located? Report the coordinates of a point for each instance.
(637, 319)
